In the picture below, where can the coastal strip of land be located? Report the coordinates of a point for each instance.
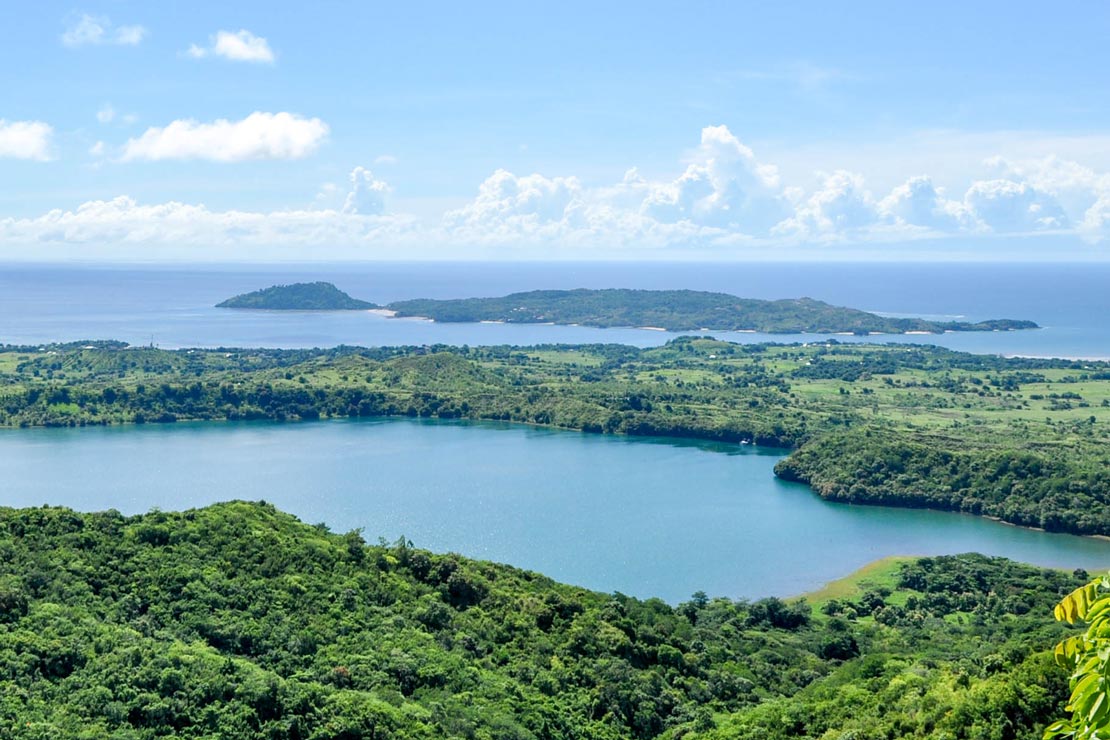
(1022, 440)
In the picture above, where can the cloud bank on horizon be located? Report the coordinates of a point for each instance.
(184, 134)
(724, 199)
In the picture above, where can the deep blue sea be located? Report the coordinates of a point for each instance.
(173, 306)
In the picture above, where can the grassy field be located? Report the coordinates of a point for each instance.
(881, 573)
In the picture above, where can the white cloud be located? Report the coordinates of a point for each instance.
(367, 195)
(723, 186)
(841, 204)
(386, 159)
(26, 140)
(510, 207)
(917, 202)
(124, 221)
(1011, 206)
(522, 211)
(1095, 226)
(92, 30)
(258, 136)
(725, 195)
(721, 197)
(238, 46)
(106, 114)
(1074, 187)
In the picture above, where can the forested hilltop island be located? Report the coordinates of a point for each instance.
(682, 310)
(672, 310)
(1022, 440)
(318, 296)
(239, 622)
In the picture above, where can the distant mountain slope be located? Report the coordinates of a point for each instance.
(681, 310)
(318, 296)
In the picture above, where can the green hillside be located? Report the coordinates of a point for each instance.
(681, 310)
(238, 621)
(319, 296)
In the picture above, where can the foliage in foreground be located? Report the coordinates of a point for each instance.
(1086, 658)
(238, 621)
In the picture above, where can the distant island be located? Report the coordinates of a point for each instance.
(318, 296)
(670, 310)
(682, 310)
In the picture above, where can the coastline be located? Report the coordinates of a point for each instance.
(539, 425)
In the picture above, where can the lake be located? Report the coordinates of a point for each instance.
(647, 517)
(173, 306)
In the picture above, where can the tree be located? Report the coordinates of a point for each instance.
(1087, 658)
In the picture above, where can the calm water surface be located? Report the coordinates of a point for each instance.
(645, 517)
(174, 306)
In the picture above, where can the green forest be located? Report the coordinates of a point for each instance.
(318, 296)
(675, 310)
(239, 621)
(682, 310)
(1023, 440)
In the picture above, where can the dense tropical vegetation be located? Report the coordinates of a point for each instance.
(681, 310)
(1023, 440)
(238, 621)
(1086, 658)
(676, 310)
(318, 296)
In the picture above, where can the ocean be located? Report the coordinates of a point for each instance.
(173, 306)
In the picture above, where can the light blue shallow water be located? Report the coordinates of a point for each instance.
(645, 517)
(174, 306)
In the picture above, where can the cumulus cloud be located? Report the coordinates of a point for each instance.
(917, 202)
(720, 196)
(1010, 206)
(258, 136)
(106, 114)
(509, 208)
(505, 198)
(26, 140)
(238, 46)
(93, 30)
(726, 195)
(723, 186)
(840, 205)
(1095, 226)
(1078, 190)
(367, 194)
(123, 220)
(723, 193)
(534, 209)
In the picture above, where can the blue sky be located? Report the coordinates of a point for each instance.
(257, 131)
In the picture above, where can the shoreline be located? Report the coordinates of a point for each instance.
(785, 450)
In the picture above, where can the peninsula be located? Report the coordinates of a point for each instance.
(671, 310)
(682, 310)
